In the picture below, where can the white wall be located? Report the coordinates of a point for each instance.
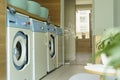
(103, 16)
(116, 12)
(70, 24)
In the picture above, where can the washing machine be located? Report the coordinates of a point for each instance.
(59, 53)
(19, 63)
(39, 48)
(51, 54)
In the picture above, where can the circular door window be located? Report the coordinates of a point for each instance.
(20, 50)
(52, 46)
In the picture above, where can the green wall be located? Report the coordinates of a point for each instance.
(116, 12)
(103, 16)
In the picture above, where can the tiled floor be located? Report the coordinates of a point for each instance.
(83, 58)
(64, 72)
(68, 70)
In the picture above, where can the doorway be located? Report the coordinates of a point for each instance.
(83, 33)
(71, 41)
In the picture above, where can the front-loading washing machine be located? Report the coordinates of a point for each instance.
(51, 54)
(39, 48)
(59, 46)
(19, 63)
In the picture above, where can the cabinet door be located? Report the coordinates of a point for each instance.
(103, 15)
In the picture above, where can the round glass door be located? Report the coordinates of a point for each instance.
(20, 50)
(52, 46)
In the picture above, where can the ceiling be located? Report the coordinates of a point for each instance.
(80, 2)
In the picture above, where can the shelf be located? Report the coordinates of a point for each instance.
(27, 13)
(31, 15)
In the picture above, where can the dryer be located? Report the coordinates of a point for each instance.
(59, 46)
(51, 54)
(19, 63)
(39, 48)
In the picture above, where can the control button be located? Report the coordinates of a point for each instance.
(42, 28)
(25, 23)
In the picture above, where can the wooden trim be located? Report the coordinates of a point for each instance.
(95, 40)
(2, 39)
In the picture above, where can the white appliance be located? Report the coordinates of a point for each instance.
(39, 48)
(19, 63)
(59, 46)
(51, 54)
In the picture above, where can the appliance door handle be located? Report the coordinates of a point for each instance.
(12, 21)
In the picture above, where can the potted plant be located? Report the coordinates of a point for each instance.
(109, 45)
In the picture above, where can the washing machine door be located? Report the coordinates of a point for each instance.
(20, 50)
(52, 46)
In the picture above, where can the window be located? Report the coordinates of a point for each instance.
(82, 24)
